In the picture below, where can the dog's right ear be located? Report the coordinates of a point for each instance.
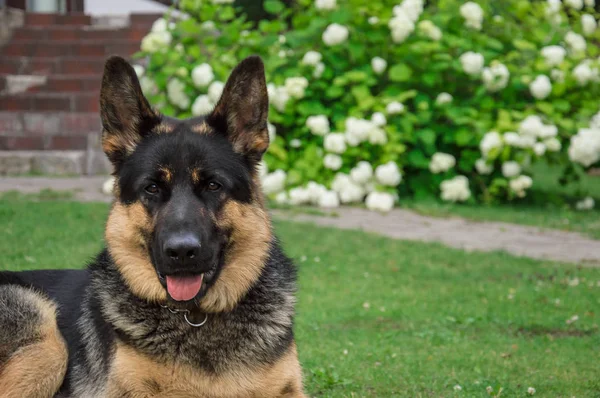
(126, 114)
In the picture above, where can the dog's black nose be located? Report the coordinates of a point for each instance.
(183, 249)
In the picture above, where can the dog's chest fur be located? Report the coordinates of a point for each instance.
(157, 353)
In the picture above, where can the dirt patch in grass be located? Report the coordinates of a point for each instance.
(535, 331)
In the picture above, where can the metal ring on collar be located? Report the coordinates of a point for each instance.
(196, 325)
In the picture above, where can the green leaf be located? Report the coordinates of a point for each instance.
(417, 159)
(524, 45)
(406, 95)
(400, 73)
(463, 137)
(427, 137)
(308, 108)
(273, 6)
(334, 92)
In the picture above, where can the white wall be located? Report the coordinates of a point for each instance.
(122, 7)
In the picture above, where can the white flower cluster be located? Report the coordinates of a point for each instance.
(520, 184)
(361, 130)
(496, 77)
(585, 73)
(406, 14)
(273, 183)
(318, 124)
(553, 55)
(313, 58)
(159, 37)
(575, 4)
(585, 146)
(176, 93)
(455, 189)
(388, 174)
(490, 141)
(441, 162)
(483, 168)
(380, 201)
(443, 99)
(379, 65)
(473, 15)
(362, 182)
(511, 169)
(147, 84)
(575, 42)
(294, 87)
(335, 34)
(472, 63)
(335, 143)
(587, 203)
(588, 24)
(325, 4)
(531, 130)
(553, 11)
(333, 162)
(394, 108)
(205, 103)
(352, 188)
(540, 87)
(202, 75)
(430, 30)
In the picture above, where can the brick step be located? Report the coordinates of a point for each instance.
(79, 102)
(40, 142)
(50, 66)
(144, 19)
(40, 19)
(22, 123)
(78, 48)
(60, 33)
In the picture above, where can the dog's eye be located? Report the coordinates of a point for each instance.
(152, 189)
(213, 186)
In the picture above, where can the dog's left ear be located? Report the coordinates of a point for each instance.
(243, 109)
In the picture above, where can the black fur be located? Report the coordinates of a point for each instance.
(97, 309)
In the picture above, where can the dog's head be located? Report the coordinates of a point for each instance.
(188, 225)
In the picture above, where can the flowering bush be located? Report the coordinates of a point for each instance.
(374, 101)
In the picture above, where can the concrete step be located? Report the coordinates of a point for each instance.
(15, 124)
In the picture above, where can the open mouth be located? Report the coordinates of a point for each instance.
(183, 287)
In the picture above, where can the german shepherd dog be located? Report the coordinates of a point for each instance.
(192, 296)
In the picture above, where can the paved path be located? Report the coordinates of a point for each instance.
(400, 224)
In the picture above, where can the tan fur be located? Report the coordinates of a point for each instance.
(167, 174)
(249, 246)
(113, 143)
(124, 236)
(201, 128)
(164, 128)
(195, 173)
(248, 250)
(134, 375)
(37, 370)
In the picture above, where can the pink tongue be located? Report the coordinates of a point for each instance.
(184, 288)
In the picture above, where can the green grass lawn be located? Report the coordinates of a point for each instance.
(548, 205)
(384, 318)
